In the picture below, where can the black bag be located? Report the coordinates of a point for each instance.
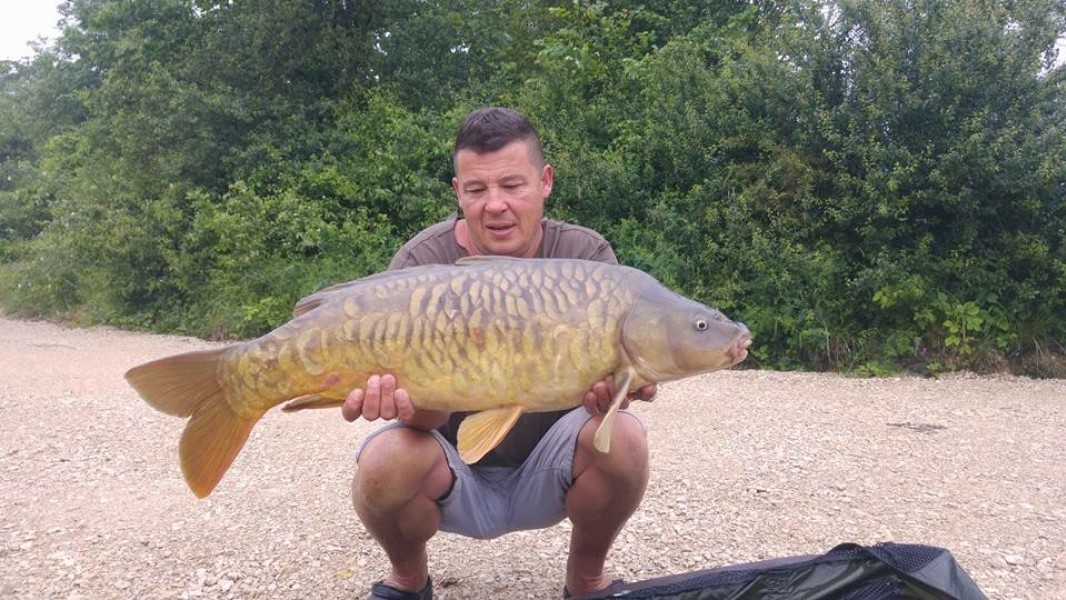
(847, 572)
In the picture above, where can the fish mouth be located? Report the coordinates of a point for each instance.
(738, 350)
(734, 354)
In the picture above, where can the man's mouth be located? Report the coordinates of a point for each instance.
(499, 229)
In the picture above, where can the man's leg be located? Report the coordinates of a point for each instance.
(606, 491)
(400, 474)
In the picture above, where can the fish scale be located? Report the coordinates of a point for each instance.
(493, 336)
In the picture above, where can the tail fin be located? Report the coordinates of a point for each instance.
(187, 385)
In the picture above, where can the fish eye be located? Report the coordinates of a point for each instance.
(701, 324)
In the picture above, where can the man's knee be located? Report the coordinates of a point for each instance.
(398, 464)
(629, 434)
(629, 447)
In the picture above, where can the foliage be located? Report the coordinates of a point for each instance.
(870, 186)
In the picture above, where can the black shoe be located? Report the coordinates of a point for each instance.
(617, 589)
(383, 591)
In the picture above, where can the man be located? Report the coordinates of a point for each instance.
(410, 482)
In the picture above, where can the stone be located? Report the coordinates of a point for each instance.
(1060, 562)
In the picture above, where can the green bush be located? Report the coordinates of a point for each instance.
(870, 186)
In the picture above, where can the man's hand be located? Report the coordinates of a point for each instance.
(598, 399)
(383, 399)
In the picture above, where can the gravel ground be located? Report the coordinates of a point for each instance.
(746, 465)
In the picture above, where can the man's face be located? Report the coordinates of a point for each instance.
(502, 196)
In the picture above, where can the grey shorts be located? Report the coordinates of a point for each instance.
(487, 502)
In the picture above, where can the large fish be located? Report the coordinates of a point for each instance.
(497, 335)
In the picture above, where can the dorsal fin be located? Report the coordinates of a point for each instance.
(313, 301)
(308, 304)
(485, 258)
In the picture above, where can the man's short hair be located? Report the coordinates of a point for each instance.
(489, 129)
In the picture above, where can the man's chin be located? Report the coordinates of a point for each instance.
(497, 250)
(500, 245)
(506, 244)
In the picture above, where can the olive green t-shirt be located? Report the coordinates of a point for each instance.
(437, 245)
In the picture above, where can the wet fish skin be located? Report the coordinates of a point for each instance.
(459, 338)
(497, 335)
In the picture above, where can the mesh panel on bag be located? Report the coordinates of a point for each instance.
(907, 558)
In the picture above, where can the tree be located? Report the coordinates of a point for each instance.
(865, 184)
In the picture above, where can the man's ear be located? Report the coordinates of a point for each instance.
(458, 205)
(547, 178)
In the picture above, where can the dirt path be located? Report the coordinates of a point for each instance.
(745, 465)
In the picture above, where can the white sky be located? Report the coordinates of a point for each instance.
(22, 21)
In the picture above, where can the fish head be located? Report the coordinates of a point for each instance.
(667, 336)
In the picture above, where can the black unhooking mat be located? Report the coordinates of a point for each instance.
(848, 572)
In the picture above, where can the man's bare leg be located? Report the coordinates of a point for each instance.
(400, 474)
(606, 491)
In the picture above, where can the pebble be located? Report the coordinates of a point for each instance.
(769, 438)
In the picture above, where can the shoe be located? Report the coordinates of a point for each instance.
(617, 589)
(383, 591)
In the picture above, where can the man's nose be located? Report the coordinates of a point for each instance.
(495, 203)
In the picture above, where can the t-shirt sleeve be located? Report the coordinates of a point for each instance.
(404, 258)
(434, 245)
(563, 240)
(603, 253)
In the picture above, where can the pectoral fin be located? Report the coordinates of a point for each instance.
(312, 401)
(602, 440)
(481, 432)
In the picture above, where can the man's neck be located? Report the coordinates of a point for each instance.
(462, 237)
